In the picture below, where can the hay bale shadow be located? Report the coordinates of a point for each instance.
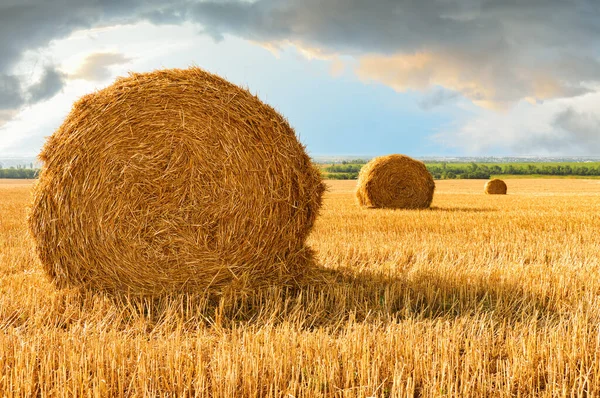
(462, 209)
(328, 298)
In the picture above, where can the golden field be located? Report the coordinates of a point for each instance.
(478, 296)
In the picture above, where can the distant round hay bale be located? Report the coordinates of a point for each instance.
(495, 187)
(174, 181)
(395, 181)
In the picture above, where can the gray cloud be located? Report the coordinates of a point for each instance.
(11, 95)
(97, 66)
(352, 26)
(172, 15)
(499, 37)
(562, 127)
(495, 52)
(580, 132)
(437, 98)
(31, 24)
(51, 83)
(388, 26)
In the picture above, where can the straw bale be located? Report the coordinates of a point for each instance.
(395, 181)
(495, 187)
(174, 181)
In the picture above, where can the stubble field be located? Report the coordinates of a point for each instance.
(478, 296)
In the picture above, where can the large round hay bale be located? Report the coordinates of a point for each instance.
(174, 181)
(395, 181)
(495, 187)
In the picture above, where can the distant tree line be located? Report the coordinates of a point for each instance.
(19, 172)
(341, 168)
(474, 170)
(341, 176)
(443, 170)
(348, 170)
(356, 161)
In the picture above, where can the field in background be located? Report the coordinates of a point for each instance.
(535, 176)
(478, 296)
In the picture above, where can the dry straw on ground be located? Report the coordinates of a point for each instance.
(480, 298)
(395, 181)
(175, 180)
(495, 187)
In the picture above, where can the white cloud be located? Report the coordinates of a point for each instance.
(149, 47)
(556, 127)
(494, 86)
(97, 66)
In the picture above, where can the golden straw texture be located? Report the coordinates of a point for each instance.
(495, 187)
(395, 181)
(174, 181)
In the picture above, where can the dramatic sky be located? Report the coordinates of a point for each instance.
(363, 77)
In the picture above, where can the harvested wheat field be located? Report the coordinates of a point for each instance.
(477, 296)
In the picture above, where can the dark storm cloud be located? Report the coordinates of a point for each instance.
(495, 52)
(389, 26)
(343, 25)
(31, 24)
(498, 51)
(51, 83)
(11, 95)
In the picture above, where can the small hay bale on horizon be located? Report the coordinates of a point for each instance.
(174, 181)
(495, 187)
(396, 182)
